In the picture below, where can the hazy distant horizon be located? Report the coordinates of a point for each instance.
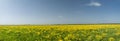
(59, 11)
(60, 24)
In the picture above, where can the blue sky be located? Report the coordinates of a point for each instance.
(59, 11)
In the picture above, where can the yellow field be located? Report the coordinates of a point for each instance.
(60, 32)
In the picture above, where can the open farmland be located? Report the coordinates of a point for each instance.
(96, 32)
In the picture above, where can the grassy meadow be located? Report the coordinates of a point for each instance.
(85, 32)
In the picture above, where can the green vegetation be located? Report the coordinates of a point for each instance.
(50, 33)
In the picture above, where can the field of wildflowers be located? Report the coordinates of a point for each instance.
(60, 32)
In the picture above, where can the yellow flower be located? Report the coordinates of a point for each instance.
(104, 34)
(38, 33)
(118, 33)
(98, 36)
(111, 39)
(60, 40)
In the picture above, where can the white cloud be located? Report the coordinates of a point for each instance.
(96, 4)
